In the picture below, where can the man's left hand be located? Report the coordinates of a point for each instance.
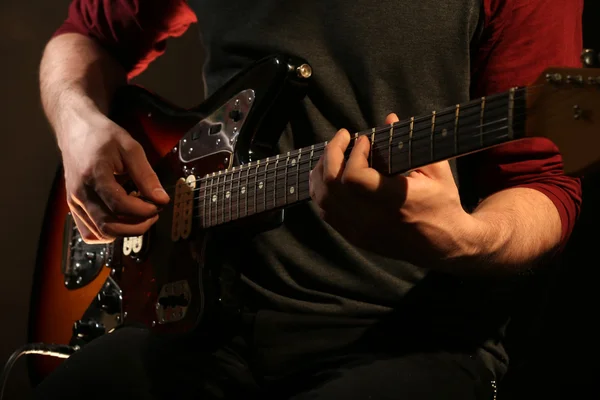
(418, 217)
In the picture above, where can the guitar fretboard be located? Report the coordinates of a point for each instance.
(281, 181)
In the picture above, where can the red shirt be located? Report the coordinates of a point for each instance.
(512, 54)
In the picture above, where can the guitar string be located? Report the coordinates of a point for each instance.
(473, 104)
(448, 111)
(417, 145)
(254, 199)
(419, 137)
(272, 190)
(240, 176)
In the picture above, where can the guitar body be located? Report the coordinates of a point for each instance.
(161, 279)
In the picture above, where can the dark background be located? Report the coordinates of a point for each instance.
(562, 340)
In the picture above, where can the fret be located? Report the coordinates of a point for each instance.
(211, 201)
(238, 185)
(276, 185)
(496, 125)
(443, 136)
(310, 159)
(256, 185)
(468, 134)
(511, 108)
(203, 192)
(291, 190)
(245, 188)
(420, 150)
(298, 175)
(410, 139)
(400, 147)
(390, 149)
(264, 189)
(481, 121)
(431, 142)
(230, 194)
(220, 196)
(457, 115)
(285, 182)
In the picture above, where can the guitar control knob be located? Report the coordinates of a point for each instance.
(109, 302)
(87, 330)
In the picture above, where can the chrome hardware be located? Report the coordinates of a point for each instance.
(589, 58)
(81, 262)
(575, 79)
(173, 302)
(554, 78)
(225, 123)
(102, 316)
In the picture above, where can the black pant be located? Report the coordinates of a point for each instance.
(281, 359)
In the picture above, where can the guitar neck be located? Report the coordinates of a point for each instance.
(282, 181)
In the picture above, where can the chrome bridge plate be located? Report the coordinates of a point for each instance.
(173, 302)
(219, 131)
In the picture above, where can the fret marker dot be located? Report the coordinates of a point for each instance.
(293, 162)
(400, 145)
(260, 185)
(243, 189)
(292, 190)
(444, 132)
(214, 198)
(227, 194)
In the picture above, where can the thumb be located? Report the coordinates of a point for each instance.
(142, 174)
(391, 118)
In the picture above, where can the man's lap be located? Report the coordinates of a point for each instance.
(132, 363)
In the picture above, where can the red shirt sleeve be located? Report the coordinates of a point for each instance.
(520, 39)
(133, 31)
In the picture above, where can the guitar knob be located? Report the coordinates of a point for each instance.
(109, 302)
(87, 330)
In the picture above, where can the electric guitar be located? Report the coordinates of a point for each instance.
(218, 163)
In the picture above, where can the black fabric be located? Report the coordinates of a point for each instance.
(132, 363)
(369, 58)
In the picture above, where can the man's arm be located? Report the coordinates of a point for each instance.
(100, 45)
(529, 207)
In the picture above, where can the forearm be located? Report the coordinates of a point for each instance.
(512, 230)
(77, 77)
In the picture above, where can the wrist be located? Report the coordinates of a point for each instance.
(77, 114)
(482, 238)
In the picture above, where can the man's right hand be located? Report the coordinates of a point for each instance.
(94, 151)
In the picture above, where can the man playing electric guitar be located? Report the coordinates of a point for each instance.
(381, 287)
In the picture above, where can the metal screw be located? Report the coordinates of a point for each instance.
(304, 71)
